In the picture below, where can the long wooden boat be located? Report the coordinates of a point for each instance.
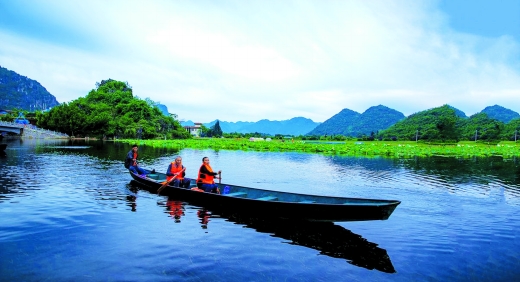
(268, 203)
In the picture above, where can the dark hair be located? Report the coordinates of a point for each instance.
(135, 145)
(204, 158)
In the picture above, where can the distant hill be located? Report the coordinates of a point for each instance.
(228, 127)
(374, 119)
(337, 124)
(17, 91)
(500, 113)
(163, 109)
(432, 124)
(351, 123)
(445, 124)
(295, 126)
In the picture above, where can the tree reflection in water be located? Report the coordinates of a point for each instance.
(326, 237)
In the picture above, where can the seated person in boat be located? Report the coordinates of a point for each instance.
(205, 181)
(176, 172)
(131, 162)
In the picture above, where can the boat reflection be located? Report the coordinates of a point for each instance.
(326, 237)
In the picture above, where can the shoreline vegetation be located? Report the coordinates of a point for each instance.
(387, 149)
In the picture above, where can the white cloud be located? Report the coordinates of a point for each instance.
(250, 60)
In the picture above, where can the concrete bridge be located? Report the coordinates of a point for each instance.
(11, 127)
(30, 131)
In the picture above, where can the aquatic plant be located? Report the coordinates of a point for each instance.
(409, 149)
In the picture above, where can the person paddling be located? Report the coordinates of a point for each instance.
(176, 173)
(205, 180)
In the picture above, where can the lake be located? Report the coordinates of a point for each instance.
(70, 212)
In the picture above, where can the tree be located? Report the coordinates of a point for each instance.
(511, 130)
(112, 110)
(481, 125)
(215, 130)
(204, 131)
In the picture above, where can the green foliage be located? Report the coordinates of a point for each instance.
(480, 127)
(204, 131)
(11, 116)
(511, 130)
(437, 124)
(442, 124)
(458, 112)
(215, 130)
(407, 149)
(111, 110)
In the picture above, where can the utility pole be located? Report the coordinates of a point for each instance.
(516, 133)
(476, 131)
(416, 135)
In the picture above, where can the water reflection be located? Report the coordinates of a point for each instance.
(103, 150)
(176, 209)
(326, 237)
(132, 199)
(462, 169)
(204, 215)
(477, 175)
(456, 169)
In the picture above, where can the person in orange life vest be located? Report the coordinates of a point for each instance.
(131, 162)
(177, 171)
(205, 181)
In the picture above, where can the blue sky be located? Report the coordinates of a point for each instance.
(252, 60)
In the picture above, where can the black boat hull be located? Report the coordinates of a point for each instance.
(287, 205)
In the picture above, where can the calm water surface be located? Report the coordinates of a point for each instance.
(69, 212)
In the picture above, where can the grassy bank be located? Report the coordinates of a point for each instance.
(410, 149)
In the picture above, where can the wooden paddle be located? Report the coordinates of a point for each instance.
(219, 181)
(168, 182)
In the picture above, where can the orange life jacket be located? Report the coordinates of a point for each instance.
(135, 158)
(174, 169)
(206, 178)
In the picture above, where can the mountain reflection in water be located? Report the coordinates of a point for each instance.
(326, 237)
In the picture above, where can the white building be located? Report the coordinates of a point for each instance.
(194, 130)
